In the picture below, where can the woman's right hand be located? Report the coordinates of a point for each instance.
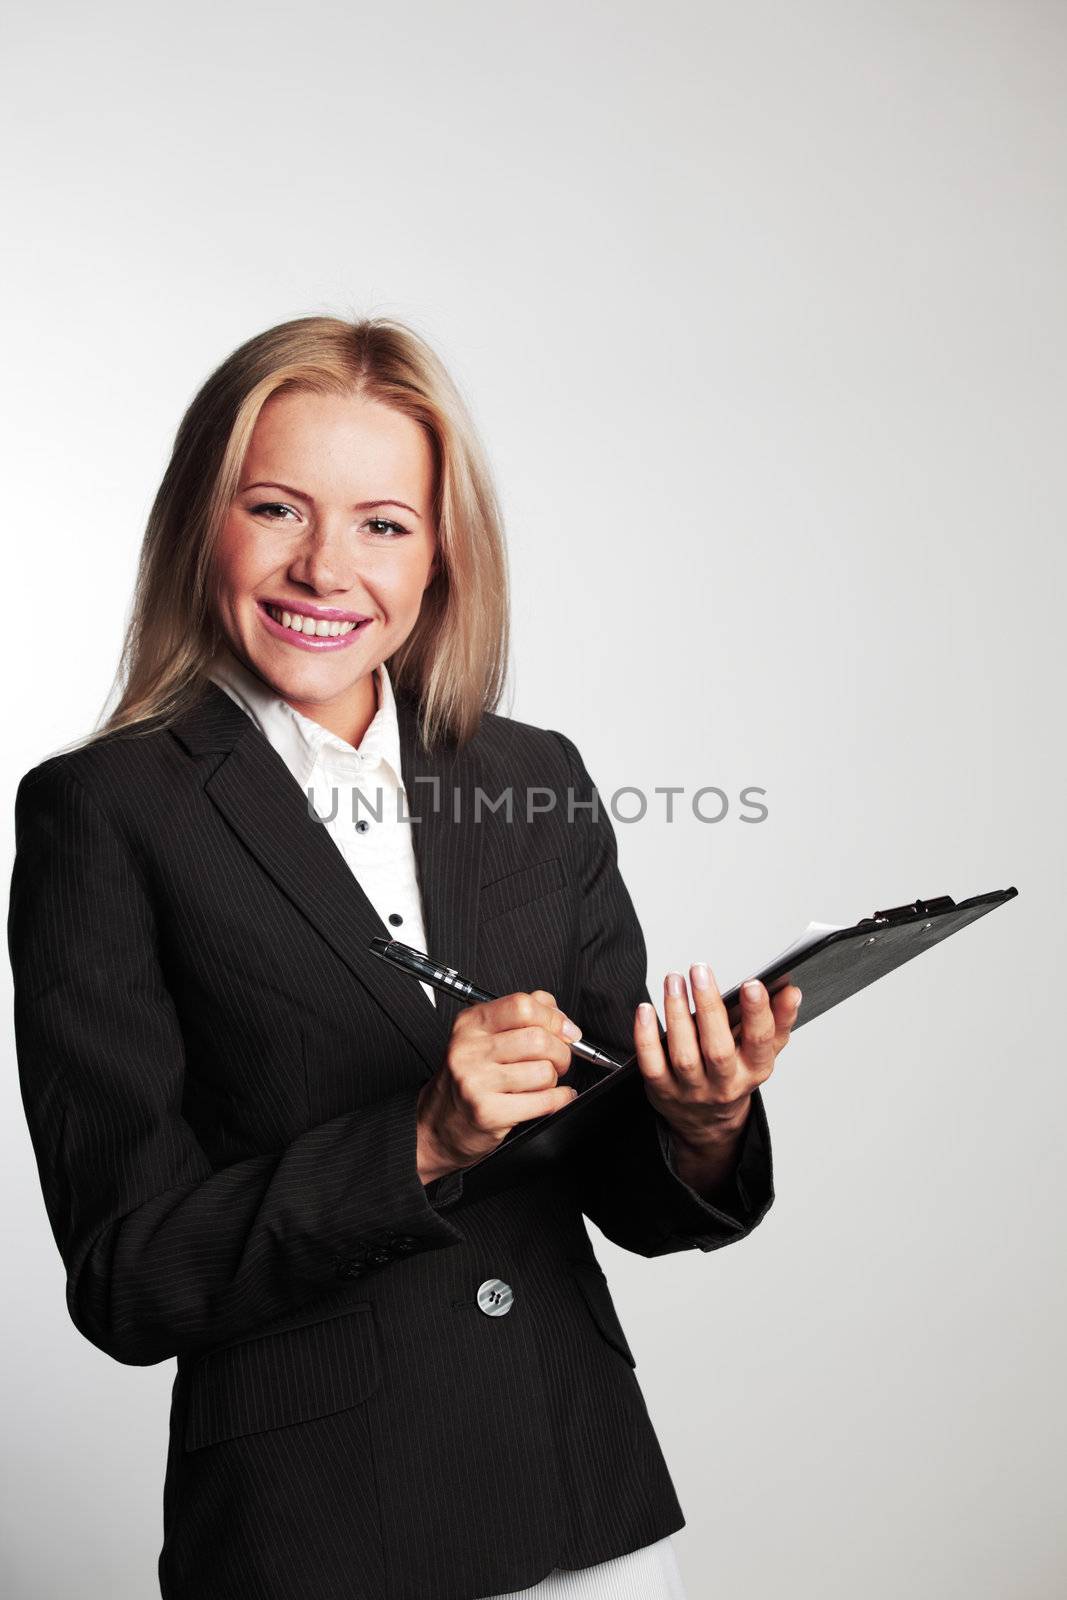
(503, 1059)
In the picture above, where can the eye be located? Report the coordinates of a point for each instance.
(379, 524)
(268, 509)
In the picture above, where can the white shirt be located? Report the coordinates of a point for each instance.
(347, 785)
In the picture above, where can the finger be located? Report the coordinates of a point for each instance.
(786, 1006)
(717, 1043)
(524, 1010)
(683, 1043)
(534, 1043)
(565, 1026)
(498, 1111)
(757, 1027)
(520, 1077)
(651, 1057)
(559, 1021)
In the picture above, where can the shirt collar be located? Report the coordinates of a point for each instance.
(301, 741)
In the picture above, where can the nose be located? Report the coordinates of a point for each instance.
(325, 560)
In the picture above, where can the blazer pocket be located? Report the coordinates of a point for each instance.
(519, 888)
(597, 1295)
(280, 1378)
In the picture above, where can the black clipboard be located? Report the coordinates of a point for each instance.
(835, 966)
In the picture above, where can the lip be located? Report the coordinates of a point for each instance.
(304, 608)
(302, 641)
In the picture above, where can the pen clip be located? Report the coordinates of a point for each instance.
(920, 908)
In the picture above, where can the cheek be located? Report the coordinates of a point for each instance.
(395, 585)
(238, 561)
(412, 583)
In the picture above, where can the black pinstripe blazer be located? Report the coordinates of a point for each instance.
(220, 1084)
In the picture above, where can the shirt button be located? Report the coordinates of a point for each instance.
(494, 1297)
(362, 825)
(395, 918)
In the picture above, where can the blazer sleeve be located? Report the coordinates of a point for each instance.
(164, 1254)
(629, 1185)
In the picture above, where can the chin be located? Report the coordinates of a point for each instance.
(316, 680)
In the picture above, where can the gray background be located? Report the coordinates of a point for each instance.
(760, 311)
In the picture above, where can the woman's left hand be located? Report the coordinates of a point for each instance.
(704, 1089)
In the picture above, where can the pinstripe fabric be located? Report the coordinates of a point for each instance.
(220, 1084)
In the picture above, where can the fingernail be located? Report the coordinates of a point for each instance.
(754, 989)
(799, 999)
(701, 975)
(645, 1013)
(675, 983)
(571, 1030)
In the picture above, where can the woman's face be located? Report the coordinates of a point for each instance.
(326, 550)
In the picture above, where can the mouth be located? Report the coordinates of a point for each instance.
(311, 627)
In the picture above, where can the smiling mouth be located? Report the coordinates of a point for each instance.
(319, 627)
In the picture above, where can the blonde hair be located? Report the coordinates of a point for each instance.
(454, 661)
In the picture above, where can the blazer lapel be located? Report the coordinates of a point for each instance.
(441, 787)
(255, 792)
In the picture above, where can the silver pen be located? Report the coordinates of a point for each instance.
(423, 967)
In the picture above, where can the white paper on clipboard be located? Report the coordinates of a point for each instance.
(811, 935)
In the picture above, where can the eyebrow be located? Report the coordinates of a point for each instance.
(363, 505)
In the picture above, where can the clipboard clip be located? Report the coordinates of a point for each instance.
(920, 908)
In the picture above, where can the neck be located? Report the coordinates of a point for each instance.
(350, 715)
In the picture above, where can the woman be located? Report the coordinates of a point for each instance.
(251, 1133)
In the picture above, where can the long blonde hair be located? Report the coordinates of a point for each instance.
(454, 661)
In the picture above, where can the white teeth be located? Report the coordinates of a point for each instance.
(301, 624)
